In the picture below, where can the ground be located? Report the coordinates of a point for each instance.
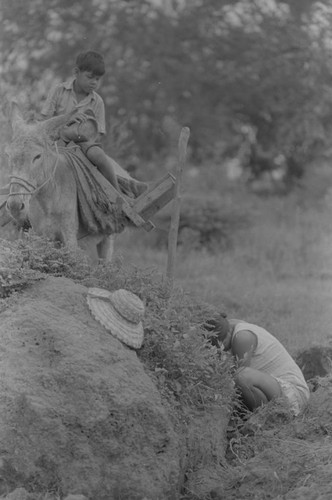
(270, 454)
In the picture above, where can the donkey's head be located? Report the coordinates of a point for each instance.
(30, 158)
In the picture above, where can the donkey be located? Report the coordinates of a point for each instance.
(43, 187)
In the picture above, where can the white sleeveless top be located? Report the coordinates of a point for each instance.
(270, 356)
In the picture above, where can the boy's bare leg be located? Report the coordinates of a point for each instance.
(98, 157)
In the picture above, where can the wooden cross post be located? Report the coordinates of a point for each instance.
(175, 219)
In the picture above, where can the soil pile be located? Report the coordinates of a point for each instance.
(78, 414)
(81, 418)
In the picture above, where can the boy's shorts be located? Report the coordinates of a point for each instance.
(295, 398)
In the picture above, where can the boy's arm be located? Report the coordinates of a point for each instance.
(244, 344)
(99, 111)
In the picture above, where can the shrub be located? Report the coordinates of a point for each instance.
(205, 221)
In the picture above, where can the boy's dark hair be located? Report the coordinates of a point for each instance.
(91, 61)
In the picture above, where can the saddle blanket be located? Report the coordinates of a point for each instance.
(95, 196)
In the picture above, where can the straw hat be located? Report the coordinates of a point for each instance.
(120, 312)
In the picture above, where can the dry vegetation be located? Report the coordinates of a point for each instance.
(275, 270)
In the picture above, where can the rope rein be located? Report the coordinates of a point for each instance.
(27, 185)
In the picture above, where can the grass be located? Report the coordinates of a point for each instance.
(175, 345)
(184, 366)
(277, 273)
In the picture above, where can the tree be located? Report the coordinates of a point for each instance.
(206, 64)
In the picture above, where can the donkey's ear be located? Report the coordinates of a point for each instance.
(12, 111)
(53, 125)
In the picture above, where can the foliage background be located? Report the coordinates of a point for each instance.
(212, 65)
(217, 66)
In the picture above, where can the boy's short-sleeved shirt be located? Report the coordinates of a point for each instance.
(62, 99)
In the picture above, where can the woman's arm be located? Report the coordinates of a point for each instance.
(244, 344)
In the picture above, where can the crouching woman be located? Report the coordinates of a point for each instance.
(264, 368)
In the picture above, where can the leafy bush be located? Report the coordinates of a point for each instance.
(205, 221)
(14, 273)
(179, 354)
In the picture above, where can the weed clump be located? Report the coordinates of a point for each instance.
(177, 352)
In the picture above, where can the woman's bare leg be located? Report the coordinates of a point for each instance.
(256, 387)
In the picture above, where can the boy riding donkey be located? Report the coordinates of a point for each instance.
(79, 93)
(109, 199)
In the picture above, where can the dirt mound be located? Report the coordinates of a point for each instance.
(82, 419)
(78, 414)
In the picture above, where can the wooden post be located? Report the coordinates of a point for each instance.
(174, 228)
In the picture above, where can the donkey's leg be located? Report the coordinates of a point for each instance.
(68, 229)
(70, 241)
(105, 248)
(89, 245)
